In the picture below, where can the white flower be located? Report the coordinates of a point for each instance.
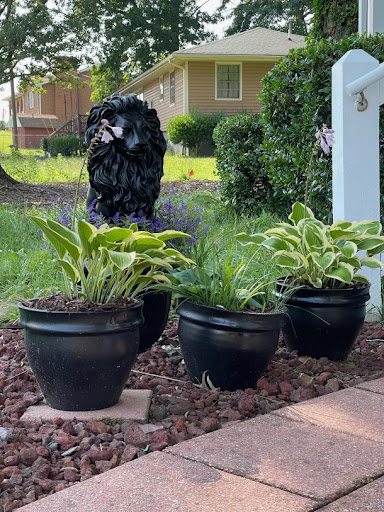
(106, 135)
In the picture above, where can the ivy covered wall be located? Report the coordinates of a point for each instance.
(335, 18)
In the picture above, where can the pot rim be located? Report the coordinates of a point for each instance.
(134, 303)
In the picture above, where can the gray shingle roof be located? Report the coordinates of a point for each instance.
(36, 122)
(259, 41)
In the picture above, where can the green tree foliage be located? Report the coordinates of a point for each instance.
(243, 182)
(191, 130)
(270, 14)
(296, 99)
(334, 18)
(36, 38)
(139, 34)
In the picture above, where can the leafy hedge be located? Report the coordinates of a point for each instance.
(191, 130)
(243, 182)
(296, 99)
(66, 145)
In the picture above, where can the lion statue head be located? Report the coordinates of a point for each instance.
(125, 174)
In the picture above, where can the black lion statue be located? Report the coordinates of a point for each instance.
(125, 172)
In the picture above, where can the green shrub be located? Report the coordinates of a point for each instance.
(243, 182)
(191, 130)
(296, 99)
(66, 145)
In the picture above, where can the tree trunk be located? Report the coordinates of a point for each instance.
(5, 179)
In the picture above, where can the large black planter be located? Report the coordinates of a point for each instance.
(324, 322)
(81, 360)
(233, 348)
(155, 310)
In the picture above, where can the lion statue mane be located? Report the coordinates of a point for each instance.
(125, 174)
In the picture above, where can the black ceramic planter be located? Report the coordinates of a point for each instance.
(324, 322)
(233, 348)
(155, 310)
(81, 360)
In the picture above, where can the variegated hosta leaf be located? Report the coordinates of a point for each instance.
(313, 238)
(371, 262)
(371, 227)
(368, 242)
(287, 260)
(170, 234)
(348, 249)
(299, 212)
(377, 250)
(257, 238)
(323, 261)
(276, 244)
(354, 261)
(284, 235)
(360, 279)
(343, 273)
(316, 282)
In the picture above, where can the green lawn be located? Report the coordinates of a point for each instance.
(33, 169)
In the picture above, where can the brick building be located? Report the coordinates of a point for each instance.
(40, 114)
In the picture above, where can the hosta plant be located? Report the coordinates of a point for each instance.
(321, 255)
(105, 263)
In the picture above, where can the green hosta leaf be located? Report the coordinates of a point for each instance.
(371, 262)
(170, 234)
(299, 212)
(348, 249)
(275, 244)
(141, 243)
(62, 244)
(86, 232)
(115, 234)
(122, 260)
(343, 273)
(256, 239)
(71, 271)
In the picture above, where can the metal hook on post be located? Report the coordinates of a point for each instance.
(361, 102)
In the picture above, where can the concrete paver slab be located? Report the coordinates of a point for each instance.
(316, 462)
(369, 498)
(377, 386)
(133, 405)
(353, 411)
(161, 482)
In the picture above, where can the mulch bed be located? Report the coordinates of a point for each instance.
(38, 459)
(25, 194)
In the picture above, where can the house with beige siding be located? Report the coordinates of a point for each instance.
(223, 75)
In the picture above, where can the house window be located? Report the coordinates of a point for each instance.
(228, 81)
(172, 88)
(31, 100)
(161, 88)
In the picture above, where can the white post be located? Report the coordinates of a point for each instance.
(355, 159)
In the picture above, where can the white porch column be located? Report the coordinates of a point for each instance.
(355, 155)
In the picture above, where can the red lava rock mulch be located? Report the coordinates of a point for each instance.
(38, 459)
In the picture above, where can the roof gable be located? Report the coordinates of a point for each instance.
(255, 42)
